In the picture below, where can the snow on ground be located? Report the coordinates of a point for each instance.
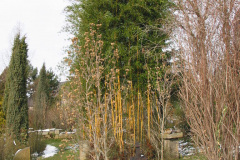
(49, 151)
(186, 148)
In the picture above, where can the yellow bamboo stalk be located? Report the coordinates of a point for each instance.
(141, 116)
(83, 132)
(151, 121)
(98, 120)
(134, 133)
(129, 107)
(116, 111)
(113, 124)
(138, 94)
(120, 113)
(119, 117)
(157, 108)
(138, 117)
(129, 116)
(90, 126)
(96, 124)
(105, 109)
(148, 110)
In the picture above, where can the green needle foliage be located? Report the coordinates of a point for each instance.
(15, 98)
(53, 83)
(2, 87)
(134, 26)
(41, 99)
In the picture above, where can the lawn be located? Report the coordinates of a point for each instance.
(63, 147)
(66, 152)
(194, 157)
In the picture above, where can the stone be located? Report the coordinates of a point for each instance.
(168, 131)
(52, 131)
(70, 134)
(23, 154)
(62, 135)
(172, 136)
(57, 131)
(170, 142)
(47, 136)
(171, 148)
(39, 132)
(45, 132)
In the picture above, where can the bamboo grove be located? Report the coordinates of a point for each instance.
(103, 105)
(118, 70)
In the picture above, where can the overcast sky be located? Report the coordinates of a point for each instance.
(41, 21)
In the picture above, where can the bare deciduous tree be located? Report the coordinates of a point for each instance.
(162, 109)
(208, 38)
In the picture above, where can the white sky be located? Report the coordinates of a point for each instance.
(41, 21)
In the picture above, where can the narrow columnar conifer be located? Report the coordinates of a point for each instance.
(15, 98)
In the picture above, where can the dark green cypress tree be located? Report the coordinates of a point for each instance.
(41, 99)
(135, 26)
(53, 84)
(15, 98)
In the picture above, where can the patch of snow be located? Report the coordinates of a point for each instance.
(49, 151)
(74, 147)
(35, 154)
(186, 148)
(67, 133)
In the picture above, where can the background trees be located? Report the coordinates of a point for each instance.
(15, 98)
(41, 99)
(31, 80)
(46, 88)
(53, 86)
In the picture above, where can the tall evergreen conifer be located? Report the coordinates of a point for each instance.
(2, 87)
(133, 25)
(53, 84)
(15, 98)
(41, 99)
